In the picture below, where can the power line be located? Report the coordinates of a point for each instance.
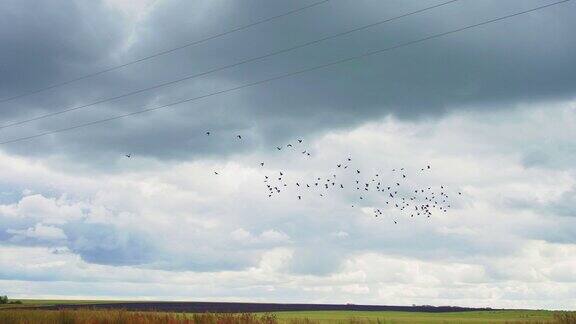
(116, 67)
(282, 76)
(192, 76)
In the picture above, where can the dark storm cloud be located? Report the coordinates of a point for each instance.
(526, 59)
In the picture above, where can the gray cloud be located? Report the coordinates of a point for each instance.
(524, 59)
(488, 108)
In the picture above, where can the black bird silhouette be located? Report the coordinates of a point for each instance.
(357, 171)
(215, 172)
(289, 145)
(128, 155)
(339, 165)
(207, 133)
(239, 136)
(262, 163)
(299, 141)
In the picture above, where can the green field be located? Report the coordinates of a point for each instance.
(421, 318)
(312, 317)
(49, 302)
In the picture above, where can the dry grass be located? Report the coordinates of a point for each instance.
(93, 316)
(124, 317)
(565, 317)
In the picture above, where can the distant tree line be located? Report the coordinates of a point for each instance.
(4, 300)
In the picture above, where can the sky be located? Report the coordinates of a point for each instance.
(491, 109)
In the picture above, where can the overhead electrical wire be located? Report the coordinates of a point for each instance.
(290, 74)
(164, 52)
(228, 66)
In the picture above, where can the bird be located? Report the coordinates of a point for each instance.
(128, 155)
(207, 133)
(239, 136)
(299, 141)
(278, 148)
(216, 173)
(289, 145)
(262, 163)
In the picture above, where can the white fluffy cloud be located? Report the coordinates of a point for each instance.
(177, 231)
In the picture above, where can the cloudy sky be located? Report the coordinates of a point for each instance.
(491, 109)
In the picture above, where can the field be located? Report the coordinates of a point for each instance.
(424, 318)
(51, 302)
(90, 311)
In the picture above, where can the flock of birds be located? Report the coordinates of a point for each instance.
(396, 193)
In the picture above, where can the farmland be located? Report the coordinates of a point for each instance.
(91, 311)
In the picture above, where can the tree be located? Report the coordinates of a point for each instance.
(4, 299)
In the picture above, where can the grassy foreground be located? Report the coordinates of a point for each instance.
(86, 316)
(424, 318)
